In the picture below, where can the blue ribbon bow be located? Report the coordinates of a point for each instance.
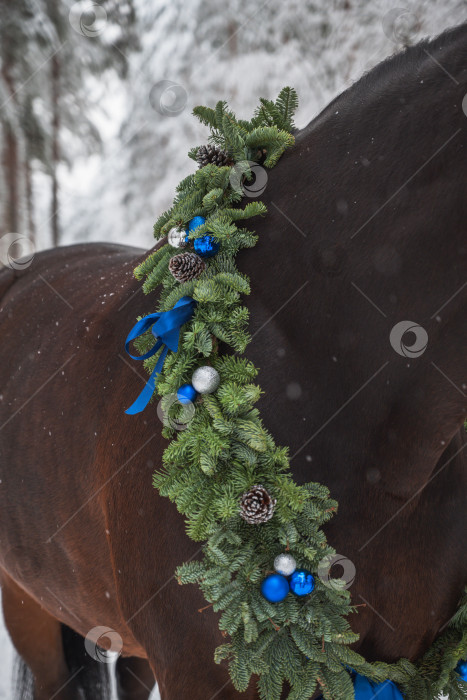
(166, 327)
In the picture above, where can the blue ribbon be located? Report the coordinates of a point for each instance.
(166, 327)
(366, 690)
(461, 669)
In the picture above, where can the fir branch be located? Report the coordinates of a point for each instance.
(287, 104)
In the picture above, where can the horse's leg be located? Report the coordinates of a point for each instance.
(135, 680)
(37, 637)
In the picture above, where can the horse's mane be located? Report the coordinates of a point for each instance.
(398, 76)
(407, 62)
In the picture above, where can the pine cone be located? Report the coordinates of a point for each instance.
(186, 266)
(212, 154)
(257, 505)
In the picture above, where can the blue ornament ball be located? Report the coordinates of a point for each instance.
(301, 582)
(206, 246)
(195, 222)
(461, 669)
(275, 588)
(186, 394)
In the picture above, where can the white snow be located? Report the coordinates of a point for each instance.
(6, 654)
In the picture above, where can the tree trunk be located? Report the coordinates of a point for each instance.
(232, 41)
(11, 171)
(30, 201)
(10, 166)
(55, 149)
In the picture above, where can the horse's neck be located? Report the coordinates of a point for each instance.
(355, 242)
(331, 276)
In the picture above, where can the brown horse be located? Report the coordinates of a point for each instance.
(366, 229)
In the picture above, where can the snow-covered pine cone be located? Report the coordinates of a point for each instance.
(257, 505)
(186, 266)
(212, 154)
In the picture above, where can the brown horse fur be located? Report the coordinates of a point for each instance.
(366, 228)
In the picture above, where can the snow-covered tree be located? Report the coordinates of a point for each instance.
(50, 53)
(234, 52)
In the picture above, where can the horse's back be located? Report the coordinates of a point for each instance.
(73, 261)
(62, 323)
(60, 306)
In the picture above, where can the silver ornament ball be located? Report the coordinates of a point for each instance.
(285, 564)
(176, 238)
(205, 379)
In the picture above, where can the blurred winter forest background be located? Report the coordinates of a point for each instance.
(96, 98)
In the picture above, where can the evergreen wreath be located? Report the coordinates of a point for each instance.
(225, 454)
